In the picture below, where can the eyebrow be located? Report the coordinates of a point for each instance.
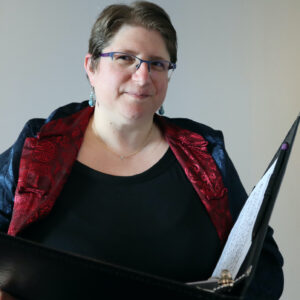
(136, 54)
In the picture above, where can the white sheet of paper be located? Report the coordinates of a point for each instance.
(239, 240)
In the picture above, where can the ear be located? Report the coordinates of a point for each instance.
(88, 68)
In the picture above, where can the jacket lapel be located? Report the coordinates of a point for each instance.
(191, 152)
(45, 164)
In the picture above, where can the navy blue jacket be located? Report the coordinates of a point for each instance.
(268, 279)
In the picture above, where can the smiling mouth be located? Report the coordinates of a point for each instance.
(138, 95)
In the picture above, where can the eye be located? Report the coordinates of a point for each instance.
(159, 65)
(124, 58)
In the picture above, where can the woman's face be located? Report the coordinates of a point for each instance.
(130, 95)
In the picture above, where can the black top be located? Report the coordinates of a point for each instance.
(152, 222)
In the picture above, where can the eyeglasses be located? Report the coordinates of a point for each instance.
(131, 63)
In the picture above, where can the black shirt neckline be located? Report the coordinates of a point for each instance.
(159, 167)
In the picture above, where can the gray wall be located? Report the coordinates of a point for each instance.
(238, 70)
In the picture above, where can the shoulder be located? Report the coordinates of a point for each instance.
(67, 110)
(33, 126)
(211, 135)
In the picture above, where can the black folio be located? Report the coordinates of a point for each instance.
(35, 272)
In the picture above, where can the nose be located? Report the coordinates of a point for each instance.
(145, 62)
(142, 73)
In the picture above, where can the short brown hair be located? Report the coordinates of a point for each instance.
(139, 13)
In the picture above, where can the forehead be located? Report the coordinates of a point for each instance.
(139, 41)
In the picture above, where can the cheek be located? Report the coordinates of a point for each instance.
(161, 88)
(108, 86)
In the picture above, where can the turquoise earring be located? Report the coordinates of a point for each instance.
(92, 99)
(161, 111)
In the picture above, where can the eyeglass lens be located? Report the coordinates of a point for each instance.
(157, 67)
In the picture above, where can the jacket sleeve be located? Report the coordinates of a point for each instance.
(267, 280)
(6, 189)
(9, 171)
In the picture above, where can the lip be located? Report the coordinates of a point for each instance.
(138, 95)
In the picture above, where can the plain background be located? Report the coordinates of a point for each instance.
(238, 70)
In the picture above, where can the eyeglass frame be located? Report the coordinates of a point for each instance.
(172, 66)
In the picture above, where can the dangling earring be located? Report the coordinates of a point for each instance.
(92, 99)
(161, 111)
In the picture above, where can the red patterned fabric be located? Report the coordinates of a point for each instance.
(45, 164)
(47, 161)
(191, 152)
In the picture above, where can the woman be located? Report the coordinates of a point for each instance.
(112, 174)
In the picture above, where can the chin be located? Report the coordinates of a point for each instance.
(137, 114)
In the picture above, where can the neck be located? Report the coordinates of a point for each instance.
(123, 138)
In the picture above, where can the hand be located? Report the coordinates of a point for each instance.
(5, 296)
